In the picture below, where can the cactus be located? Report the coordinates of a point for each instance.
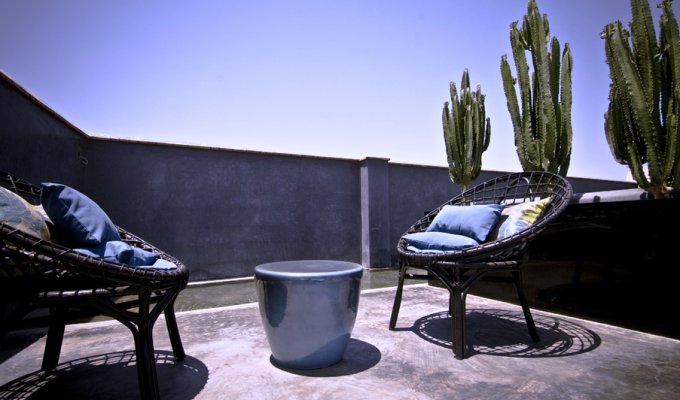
(542, 127)
(641, 122)
(466, 132)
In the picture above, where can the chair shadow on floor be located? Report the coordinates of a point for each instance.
(504, 333)
(110, 376)
(11, 344)
(359, 356)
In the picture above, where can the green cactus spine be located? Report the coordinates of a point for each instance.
(641, 122)
(542, 121)
(467, 131)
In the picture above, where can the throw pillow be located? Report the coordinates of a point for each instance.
(20, 214)
(474, 221)
(438, 241)
(77, 215)
(518, 217)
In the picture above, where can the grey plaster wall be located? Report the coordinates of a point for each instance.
(222, 211)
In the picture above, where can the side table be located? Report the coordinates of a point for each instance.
(308, 309)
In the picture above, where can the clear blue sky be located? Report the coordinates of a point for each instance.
(351, 78)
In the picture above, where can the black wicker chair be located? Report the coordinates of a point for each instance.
(458, 270)
(38, 274)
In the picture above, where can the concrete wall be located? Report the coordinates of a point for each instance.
(221, 211)
(35, 142)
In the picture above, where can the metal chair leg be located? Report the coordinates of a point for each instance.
(457, 301)
(144, 350)
(173, 332)
(397, 296)
(55, 338)
(517, 275)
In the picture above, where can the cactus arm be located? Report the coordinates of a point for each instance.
(645, 48)
(463, 135)
(670, 46)
(535, 30)
(454, 130)
(671, 157)
(510, 95)
(446, 124)
(545, 109)
(487, 133)
(555, 76)
(620, 129)
(469, 135)
(525, 136)
(554, 129)
(481, 139)
(566, 134)
(614, 128)
(539, 162)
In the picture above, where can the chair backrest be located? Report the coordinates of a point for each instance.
(510, 189)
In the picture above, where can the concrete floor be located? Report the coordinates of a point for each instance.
(228, 356)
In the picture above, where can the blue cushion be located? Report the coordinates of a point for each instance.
(77, 215)
(20, 214)
(120, 252)
(474, 221)
(438, 241)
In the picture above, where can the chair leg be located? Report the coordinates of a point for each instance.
(517, 275)
(144, 350)
(173, 332)
(55, 338)
(397, 296)
(457, 286)
(457, 311)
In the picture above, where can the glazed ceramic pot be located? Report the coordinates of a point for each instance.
(308, 310)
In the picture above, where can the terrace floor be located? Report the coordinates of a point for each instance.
(228, 355)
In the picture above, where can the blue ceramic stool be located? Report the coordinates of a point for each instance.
(308, 309)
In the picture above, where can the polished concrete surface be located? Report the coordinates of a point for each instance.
(228, 356)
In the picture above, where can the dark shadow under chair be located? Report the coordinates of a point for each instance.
(38, 273)
(525, 212)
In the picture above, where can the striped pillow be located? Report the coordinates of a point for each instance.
(20, 214)
(516, 218)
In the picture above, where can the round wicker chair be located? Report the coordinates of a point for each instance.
(458, 270)
(43, 274)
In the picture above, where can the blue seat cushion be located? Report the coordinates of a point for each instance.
(438, 241)
(474, 221)
(120, 252)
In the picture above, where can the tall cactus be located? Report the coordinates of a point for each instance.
(641, 122)
(466, 132)
(542, 127)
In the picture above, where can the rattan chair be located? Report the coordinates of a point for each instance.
(458, 270)
(38, 274)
